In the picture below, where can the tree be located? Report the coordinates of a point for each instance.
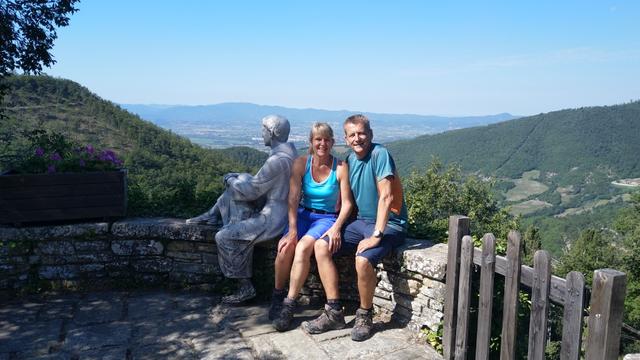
(437, 193)
(594, 249)
(532, 242)
(27, 32)
(627, 224)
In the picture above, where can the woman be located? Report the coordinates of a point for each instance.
(319, 204)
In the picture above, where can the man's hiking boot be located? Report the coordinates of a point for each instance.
(283, 321)
(329, 320)
(363, 328)
(276, 303)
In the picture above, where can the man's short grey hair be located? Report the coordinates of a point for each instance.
(359, 119)
(278, 126)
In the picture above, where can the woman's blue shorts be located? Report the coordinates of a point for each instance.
(312, 224)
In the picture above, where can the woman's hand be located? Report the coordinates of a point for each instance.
(288, 241)
(335, 239)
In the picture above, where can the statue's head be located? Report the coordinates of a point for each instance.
(275, 127)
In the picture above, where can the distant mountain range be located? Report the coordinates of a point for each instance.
(229, 124)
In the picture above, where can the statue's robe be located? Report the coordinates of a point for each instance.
(253, 209)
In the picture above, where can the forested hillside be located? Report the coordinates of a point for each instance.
(560, 142)
(168, 175)
(555, 169)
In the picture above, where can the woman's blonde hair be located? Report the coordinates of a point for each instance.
(320, 129)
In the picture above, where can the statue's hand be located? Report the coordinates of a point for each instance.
(229, 176)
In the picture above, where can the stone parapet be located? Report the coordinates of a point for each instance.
(128, 253)
(411, 284)
(169, 253)
(410, 287)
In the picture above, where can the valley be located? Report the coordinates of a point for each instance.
(238, 124)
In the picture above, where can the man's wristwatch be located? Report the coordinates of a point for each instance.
(377, 234)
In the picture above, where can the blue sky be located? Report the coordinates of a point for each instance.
(423, 57)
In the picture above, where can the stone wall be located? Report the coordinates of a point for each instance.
(411, 286)
(133, 252)
(169, 253)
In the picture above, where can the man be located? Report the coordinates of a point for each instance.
(380, 226)
(252, 209)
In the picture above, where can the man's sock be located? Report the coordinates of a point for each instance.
(334, 304)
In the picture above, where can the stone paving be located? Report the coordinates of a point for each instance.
(178, 325)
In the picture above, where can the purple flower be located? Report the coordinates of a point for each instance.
(39, 152)
(82, 163)
(89, 149)
(110, 156)
(51, 169)
(55, 157)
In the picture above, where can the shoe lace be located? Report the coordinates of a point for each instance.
(287, 309)
(363, 320)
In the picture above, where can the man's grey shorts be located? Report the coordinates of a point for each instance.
(360, 229)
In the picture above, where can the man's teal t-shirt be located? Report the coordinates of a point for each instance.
(364, 175)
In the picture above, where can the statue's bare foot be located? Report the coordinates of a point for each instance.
(204, 219)
(244, 293)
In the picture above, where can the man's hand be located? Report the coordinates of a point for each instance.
(335, 239)
(367, 243)
(289, 240)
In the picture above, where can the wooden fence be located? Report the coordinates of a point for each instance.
(606, 303)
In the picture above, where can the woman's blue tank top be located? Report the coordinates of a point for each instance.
(323, 195)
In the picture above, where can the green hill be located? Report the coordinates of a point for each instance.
(168, 175)
(561, 142)
(555, 169)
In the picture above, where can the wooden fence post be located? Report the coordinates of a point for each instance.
(572, 317)
(464, 298)
(511, 286)
(605, 316)
(539, 305)
(485, 303)
(458, 227)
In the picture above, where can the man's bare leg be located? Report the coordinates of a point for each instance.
(367, 281)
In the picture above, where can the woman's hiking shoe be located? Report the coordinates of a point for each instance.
(283, 321)
(276, 303)
(329, 320)
(363, 328)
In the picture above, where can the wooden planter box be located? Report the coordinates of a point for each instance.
(63, 196)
